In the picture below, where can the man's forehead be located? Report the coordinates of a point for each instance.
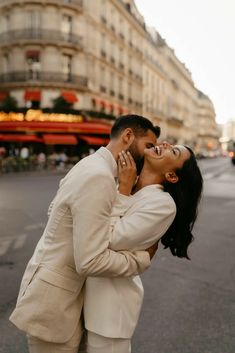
(150, 135)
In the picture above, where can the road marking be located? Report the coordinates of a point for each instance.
(4, 246)
(19, 241)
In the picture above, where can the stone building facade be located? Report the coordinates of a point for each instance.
(100, 56)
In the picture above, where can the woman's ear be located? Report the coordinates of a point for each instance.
(128, 136)
(171, 177)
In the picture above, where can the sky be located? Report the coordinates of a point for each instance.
(202, 33)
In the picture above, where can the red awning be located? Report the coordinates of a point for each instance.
(3, 95)
(101, 102)
(83, 127)
(20, 138)
(94, 140)
(120, 110)
(95, 100)
(32, 53)
(59, 139)
(106, 104)
(32, 95)
(70, 97)
(125, 111)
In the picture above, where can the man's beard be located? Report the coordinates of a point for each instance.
(139, 160)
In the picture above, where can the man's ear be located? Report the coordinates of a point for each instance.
(128, 136)
(171, 177)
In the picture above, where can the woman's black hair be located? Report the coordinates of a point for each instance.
(186, 194)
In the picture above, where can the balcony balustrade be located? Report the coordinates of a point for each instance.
(57, 2)
(43, 77)
(41, 35)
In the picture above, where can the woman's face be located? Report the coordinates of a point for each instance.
(165, 158)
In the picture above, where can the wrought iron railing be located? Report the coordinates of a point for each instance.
(40, 34)
(65, 2)
(44, 76)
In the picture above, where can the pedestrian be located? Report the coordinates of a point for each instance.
(41, 160)
(75, 243)
(162, 205)
(24, 153)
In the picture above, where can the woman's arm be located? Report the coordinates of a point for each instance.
(144, 222)
(138, 221)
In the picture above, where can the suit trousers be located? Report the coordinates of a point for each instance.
(100, 344)
(71, 346)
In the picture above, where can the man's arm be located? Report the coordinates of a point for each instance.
(91, 210)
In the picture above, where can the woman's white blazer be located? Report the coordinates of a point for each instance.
(112, 305)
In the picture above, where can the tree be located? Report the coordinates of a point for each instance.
(9, 104)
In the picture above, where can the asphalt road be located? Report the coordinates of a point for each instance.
(189, 306)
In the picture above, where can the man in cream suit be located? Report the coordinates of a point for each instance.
(75, 243)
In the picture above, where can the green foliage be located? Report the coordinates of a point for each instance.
(60, 105)
(9, 104)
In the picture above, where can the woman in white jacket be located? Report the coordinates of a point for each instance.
(162, 205)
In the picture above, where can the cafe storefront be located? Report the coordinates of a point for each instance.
(50, 134)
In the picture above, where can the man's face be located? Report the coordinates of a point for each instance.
(139, 145)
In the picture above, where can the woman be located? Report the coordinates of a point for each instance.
(162, 205)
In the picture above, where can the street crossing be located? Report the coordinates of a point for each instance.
(16, 242)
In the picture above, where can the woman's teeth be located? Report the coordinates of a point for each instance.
(158, 150)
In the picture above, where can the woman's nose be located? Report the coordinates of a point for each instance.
(166, 144)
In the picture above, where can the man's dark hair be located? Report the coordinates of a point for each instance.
(137, 123)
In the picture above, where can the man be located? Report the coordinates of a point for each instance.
(75, 242)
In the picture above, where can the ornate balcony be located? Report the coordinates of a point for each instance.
(40, 35)
(49, 78)
(78, 4)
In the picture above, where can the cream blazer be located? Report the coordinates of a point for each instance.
(112, 305)
(74, 245)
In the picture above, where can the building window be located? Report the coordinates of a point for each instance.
(67, 67)
(103, 45)
(6, 65)
(103, 78)
(4, 24)
(120, 89)
(129, 93)
(111, 83)
(34, 21)
(34, 64)
(66, 26)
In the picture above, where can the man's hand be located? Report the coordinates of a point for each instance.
(152, 250)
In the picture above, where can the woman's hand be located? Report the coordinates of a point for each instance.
(127, 173)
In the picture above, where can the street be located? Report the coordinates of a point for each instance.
(189, 306)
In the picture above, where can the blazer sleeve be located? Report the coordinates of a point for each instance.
(53, 201)
(140, 229)
(91, 211)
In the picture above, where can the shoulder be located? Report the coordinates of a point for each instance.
(90, 168)
(156, 199)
